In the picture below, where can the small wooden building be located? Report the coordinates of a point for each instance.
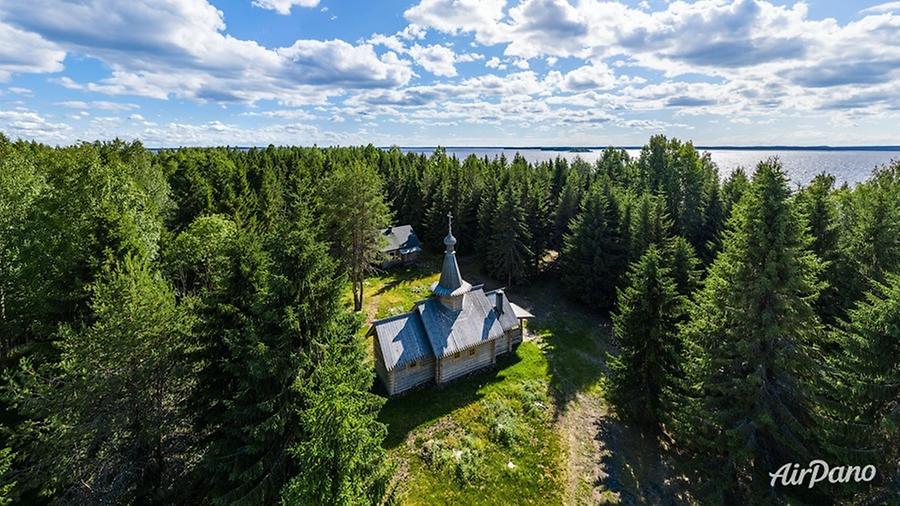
(458, 330)
(401, 245)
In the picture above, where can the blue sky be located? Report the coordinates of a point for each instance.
(451, 72)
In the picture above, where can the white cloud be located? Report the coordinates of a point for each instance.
(296, 114)
(457, 16)
(589, 77)
(179, 48)
(102, 105)
(24, 52)
(27, 124)
(469, 57)
(283, 7)
(437, 59)
(882, 8)
(412, 32)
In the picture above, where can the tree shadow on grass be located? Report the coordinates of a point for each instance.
(638, 467)
(405, 274)
(574, 341)
(430, 403)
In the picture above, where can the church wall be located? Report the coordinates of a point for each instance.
(404, 377)
(468, 361)
(510, 339)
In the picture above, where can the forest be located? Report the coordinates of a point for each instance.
(174, 326)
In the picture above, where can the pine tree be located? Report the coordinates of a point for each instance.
(593, 257)
(645, 331)
(356, 215)
(752, 336)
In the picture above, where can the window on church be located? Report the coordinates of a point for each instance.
(412, 364)
(471, 351)
(457, 354)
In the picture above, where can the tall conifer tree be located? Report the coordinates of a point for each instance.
(594, 257)
(752, 334)
(645, 330)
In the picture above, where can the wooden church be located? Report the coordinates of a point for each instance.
(458, 330)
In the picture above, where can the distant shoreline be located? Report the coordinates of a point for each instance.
(585, 149)
(577, 149)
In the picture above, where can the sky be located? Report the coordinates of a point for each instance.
(450, 72)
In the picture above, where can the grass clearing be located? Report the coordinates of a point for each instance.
(507, 435)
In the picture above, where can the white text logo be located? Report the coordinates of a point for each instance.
(818, 471)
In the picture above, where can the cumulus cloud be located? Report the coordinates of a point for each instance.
(613, 64)
(437, 59)
(459, 16)
(179, 48)
(773, 52)
(27, 124)
(24, 52)
(283, 7)
(594, 76)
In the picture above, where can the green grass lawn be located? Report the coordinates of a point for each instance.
(497, 437)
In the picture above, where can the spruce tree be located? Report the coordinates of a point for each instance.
(650, 225)
(733, 189)
(594, 257)
(871, 240)
(281, 294)
(508, 252)
(107, 422)
(864, 423)
(538, 214)
(820, 214)
(645, 331)
(7, 484)
(340, 459)
(684, 264)
(752, 336)
(567, 206)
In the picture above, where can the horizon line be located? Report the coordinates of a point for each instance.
(761, 147)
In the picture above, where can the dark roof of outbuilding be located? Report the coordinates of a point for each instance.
(400, 237)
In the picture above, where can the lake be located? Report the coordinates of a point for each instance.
(851, 166)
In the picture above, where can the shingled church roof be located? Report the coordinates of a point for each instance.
(438, 329)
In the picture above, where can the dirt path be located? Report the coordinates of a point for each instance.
(586, 474)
